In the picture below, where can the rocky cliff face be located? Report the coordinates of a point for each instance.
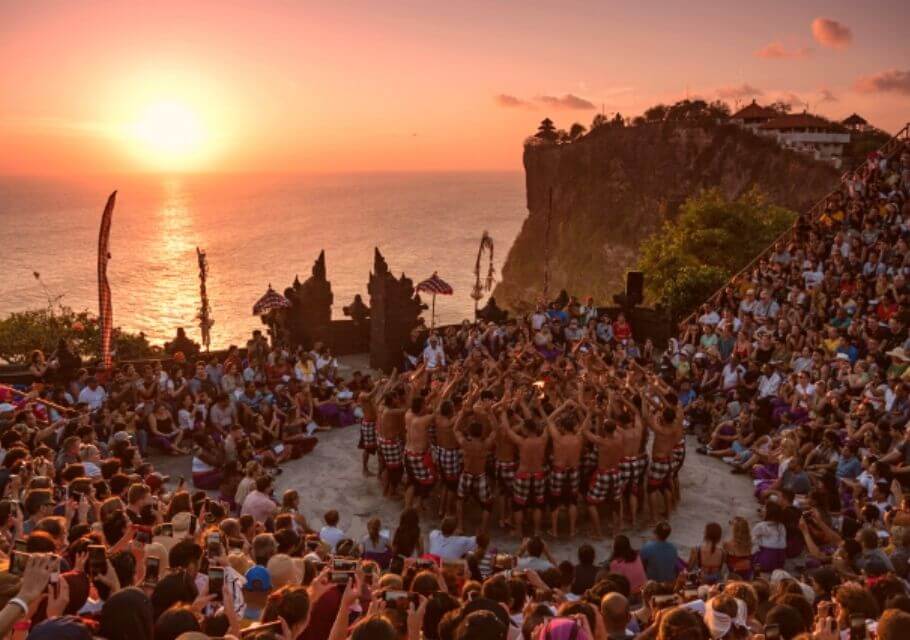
(616, 186)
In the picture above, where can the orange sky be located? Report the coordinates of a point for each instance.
(97, 87)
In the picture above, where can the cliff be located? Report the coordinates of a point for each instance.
(615, 186)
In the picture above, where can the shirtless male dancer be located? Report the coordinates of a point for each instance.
(606, 482)
(634, 464)
(448, 455)
(367, 401)
(474, 481)
(418, 460)
(389, 434)
(667, 427)
(565, 475)
(505, 461)
(529, 487)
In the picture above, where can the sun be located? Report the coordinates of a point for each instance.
(170, 135)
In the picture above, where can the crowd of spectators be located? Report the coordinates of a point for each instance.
(796, 374)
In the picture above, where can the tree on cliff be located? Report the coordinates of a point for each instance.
(576, 131)
(546, 130)
(710, 240)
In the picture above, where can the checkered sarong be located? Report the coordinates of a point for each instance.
(589, 460)
(660, 472)
(450, 462)
(391, 452)
(563, 483)
(419, 467)
(633, 470)
(529, 488)
(477, 486)
(505, 476)
(367, 436)
(605, 485)
(679, 456)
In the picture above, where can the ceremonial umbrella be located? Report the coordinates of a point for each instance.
(435, 286)
(271, 300)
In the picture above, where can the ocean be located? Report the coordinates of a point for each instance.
(257, 230)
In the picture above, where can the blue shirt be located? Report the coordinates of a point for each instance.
(660, 559)
(849, 468)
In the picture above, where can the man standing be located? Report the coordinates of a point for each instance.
(565, 475)
(474, 481)
(391, 453)
(434, 356)
(667, 428)
(634, 464)
(417, 458)
(529, 488)
(606, 483)
(367, 401)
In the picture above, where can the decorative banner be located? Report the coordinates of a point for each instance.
(205, 311)
(105, 310)
(486, 244)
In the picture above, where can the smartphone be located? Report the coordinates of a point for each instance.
(97, 559)
(192, 529)
(20, 545)
(216, 581)
(400, 599)
(312, 545)
(213, 545)
(152, 567)
(143, 535)
(368, 573)
(502, 561)
(857, 628)
(269, 627)
(342, 570)
(422, 563)
(278, 449)
(166, 530)
(665, 601)
(772, 632)
(17, 560)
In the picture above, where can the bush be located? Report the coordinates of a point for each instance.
(710, 240)
(22, 332)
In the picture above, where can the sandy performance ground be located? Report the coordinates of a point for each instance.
(330, 478)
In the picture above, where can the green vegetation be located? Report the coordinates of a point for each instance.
(24, 331)
(710, 240)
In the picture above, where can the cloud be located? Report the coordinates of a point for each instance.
(831, 33)
(890, 81)
(734, 92)
(568, 101)
(505, 100)
(777, 51)
(826, 95)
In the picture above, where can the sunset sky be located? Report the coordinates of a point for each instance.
(99, 87)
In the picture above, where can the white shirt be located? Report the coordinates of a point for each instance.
(768, 385)
(451, 547)
(434, 357)
(94, 399)
(331, 536)
(771, 535)
(537, 320)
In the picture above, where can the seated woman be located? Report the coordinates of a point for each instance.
(708, 558)
(738, 549)
(208, 458)
(337, 411)
(164, 432)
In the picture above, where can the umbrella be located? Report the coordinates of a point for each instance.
(271, 300)
(436, 286)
